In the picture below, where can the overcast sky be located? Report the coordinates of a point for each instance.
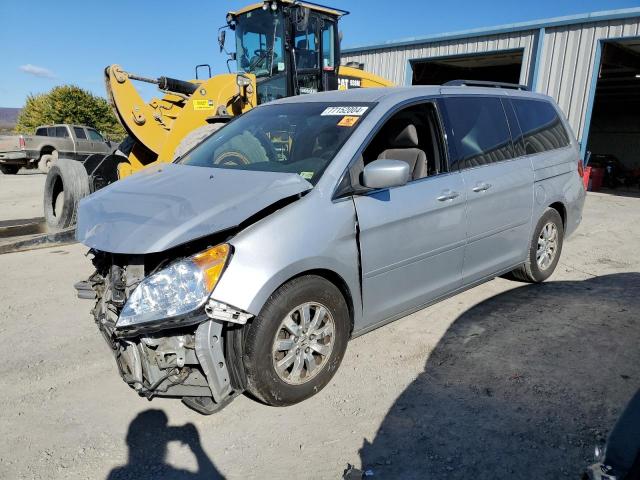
(45, 43)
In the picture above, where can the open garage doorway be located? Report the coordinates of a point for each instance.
(614, 131)
(502, 66)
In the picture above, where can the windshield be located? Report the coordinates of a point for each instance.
(259, 45)
(300, 138)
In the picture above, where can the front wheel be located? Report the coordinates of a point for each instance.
(544, 249)
(295, 345)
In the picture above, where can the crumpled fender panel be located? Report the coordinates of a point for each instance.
(168, 205)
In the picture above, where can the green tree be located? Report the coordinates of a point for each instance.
(69, 104)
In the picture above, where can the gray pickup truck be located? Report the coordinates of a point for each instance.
(76, 142)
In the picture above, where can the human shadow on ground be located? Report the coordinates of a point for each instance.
(147, 439)
(520, 386)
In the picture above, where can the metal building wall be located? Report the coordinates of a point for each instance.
(568, 60)
(391, 63)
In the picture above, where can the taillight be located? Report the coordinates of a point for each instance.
(580, 168)
(21, 142)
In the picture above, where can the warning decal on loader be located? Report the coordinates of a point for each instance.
(203, 105)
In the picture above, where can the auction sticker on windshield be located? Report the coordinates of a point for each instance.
(345, 110)
(348, 121)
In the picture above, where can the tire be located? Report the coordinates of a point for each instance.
(9, 169)
(66, 184)
(195, 137)
(46, 161)
(532, 271)
(286, 388)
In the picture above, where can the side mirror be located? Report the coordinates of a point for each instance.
(222, 35)
(385, 174)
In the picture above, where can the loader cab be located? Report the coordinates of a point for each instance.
(291, 48)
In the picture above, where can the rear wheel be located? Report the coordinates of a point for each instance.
(9, 169)
(294, 347)
(544, 249)
(66, 184)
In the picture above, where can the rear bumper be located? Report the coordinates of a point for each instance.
(17, 158)
(574, 212)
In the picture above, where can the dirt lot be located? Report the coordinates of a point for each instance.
(504, 381)
(21, 195)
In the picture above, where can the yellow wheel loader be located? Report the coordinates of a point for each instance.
(282, 48)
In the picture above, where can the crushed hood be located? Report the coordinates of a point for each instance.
(168, 205)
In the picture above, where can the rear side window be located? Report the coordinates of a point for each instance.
(41, 132)
(62, 132)
(542, 129)
(79, 132)
(478, 131)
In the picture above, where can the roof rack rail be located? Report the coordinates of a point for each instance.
(482, 83)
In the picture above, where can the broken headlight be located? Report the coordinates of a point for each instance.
(176, 290)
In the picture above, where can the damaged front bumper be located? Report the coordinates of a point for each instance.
(200, 362)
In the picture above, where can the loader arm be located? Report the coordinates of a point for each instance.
(158, 127)
(367, 79)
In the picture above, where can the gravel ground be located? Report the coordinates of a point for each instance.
(504, 381)
(21, 194)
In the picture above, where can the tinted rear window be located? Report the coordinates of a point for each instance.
(478, 131)
(62, 132)
(41, 132)
(79, 132)
(541, 126)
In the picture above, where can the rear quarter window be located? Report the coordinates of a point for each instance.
(478, 132)
(542, 129)
(41, 132)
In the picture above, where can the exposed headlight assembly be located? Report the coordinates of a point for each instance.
(176, 290)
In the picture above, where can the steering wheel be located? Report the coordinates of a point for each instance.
(260, 55)
(267, 145)
(231, 159)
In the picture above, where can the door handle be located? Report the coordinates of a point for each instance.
(481, 187)
(448, 195)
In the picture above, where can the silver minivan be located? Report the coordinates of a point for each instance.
(249, 262)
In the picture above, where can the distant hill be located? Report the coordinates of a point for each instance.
(8, 118)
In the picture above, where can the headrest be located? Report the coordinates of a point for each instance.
(404, 137)
(302, 45)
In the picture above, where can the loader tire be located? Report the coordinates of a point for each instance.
(195, 137)
(66, 184)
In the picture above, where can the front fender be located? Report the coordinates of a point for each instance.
(312, 233)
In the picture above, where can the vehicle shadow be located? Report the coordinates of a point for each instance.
(520, 386)
(147, 439)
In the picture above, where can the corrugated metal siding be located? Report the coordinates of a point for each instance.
(391, 63)
(568, 60)
(566, 64)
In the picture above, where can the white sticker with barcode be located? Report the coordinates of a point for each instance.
(345, 110)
